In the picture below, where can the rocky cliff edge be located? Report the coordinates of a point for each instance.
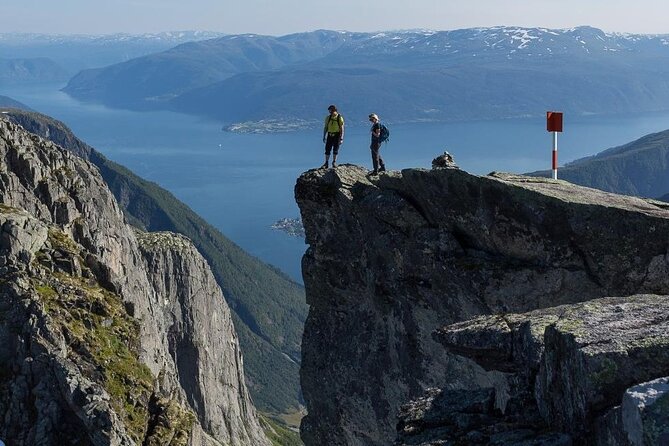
(393, 258)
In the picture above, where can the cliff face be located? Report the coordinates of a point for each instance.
(99, 322)
(268, 309)
(201, 338)
(392, 258)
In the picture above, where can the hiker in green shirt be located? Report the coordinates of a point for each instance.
(333, 135)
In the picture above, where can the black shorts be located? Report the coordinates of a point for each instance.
(332, 143)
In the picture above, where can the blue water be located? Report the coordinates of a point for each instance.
(243, 183)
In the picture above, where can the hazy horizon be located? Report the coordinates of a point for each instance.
(173, 31)
(72, 17)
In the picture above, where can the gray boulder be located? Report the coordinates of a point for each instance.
(574, 364)
(645, 413)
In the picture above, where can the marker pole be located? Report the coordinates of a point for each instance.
(554, 124)
(555, 147)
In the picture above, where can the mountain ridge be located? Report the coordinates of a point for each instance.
(636, 168)
(579, 70)
(205, 62)
(76, 52)
(38, 69)
(7, 102)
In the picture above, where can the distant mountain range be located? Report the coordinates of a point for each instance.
(73, 53)
(153, 81)
(405, 76)
(39, 69)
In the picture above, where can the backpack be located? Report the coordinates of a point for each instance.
(385, 133)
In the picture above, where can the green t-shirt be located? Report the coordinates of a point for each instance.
(333, 123)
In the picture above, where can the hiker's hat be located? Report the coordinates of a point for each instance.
(332, 107)
(374, 116)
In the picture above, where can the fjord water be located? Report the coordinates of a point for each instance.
(242, 183)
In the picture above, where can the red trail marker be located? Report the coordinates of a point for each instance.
(554, 124)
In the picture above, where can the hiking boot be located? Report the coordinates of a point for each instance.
(382, 169)
(324, 166)
(334, 165)
(373, 172)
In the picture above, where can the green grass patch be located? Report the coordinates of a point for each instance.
(268, 308)
(291, 419)
(60, 240)
(46, 292)
(4, 209)
(172, 426)
(279, 434)
(101, 333)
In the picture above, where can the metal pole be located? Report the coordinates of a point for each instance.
(555, 147)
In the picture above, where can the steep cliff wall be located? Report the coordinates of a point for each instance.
(96, 308)
(268, 309)
(392, 258)
(201, 337)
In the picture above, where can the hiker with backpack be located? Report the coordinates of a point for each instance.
(380, 135)
(333, 135)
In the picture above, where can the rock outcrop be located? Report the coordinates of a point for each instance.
(395, 257)
(567, 370)
(108, 336)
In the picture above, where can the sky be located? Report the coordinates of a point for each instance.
(278, 17)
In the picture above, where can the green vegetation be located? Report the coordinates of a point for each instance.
(46, 292)
(98, 329)
(278, 434)
(100, 332)
(173, 425)
(60, 240)
(104, 341)
(290, 419)
(571, 324)
(7, 209)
